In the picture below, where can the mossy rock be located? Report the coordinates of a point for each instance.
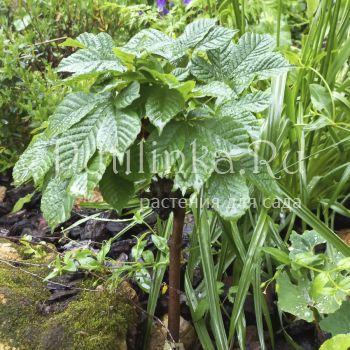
(94, 320)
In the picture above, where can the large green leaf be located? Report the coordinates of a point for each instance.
(220, 60)
(259, 174)
(206, 139)
(135, 166)
(34, 163)
(239, 64)
(202, 70)
(85, 182)
(162, 105)
(195, 32)
(97, 57)
(56, 202)
(304, 243)
(128, 95)
(194, 168)
(253, 102)
(216, 38)
(228, 194)
(339, 342)
(253, 54)
(116, 190)
(101, 41)
(339, 321)
(164, 150)
(70, 111)
(246, 118)
(151, 40)
(293, 298)
(117, 131)
(215, 89)
(78, 144)
(227, 136)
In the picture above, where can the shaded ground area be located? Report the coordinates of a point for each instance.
(42, 309)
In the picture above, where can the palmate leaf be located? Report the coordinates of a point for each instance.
(135, 166)
(196, 165)
(107, 129)
(77, 145)
(71, 110)
(147, 39)
(215, 89)
(251, 124)
(195, 32)
(202, 70)
(253, 102)
(101, 41)
(164, 150)
(239, 64)
(34, 163)
(216, 38)
(227, 136)
(128, 95)
(115, 189)
(304, 243)
(85, 182)
(220, 60)
(162, 105)
(201, 34)
(228, 194)
(207, 140)
(258, 174)
(56, 202)
(117, 131)
(253, 56)
(96, 57)
(339, 321)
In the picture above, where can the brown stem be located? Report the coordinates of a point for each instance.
(174, 273)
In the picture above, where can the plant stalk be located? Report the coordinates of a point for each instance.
(175, 245)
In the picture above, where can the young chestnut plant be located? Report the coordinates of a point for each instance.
(180, 109)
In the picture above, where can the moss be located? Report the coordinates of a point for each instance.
(95, 320)
(21, 296)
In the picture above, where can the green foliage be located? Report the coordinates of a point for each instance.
(135, 82)
(30, 49)
(339, 342)
(339, 321)
(321, 279)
